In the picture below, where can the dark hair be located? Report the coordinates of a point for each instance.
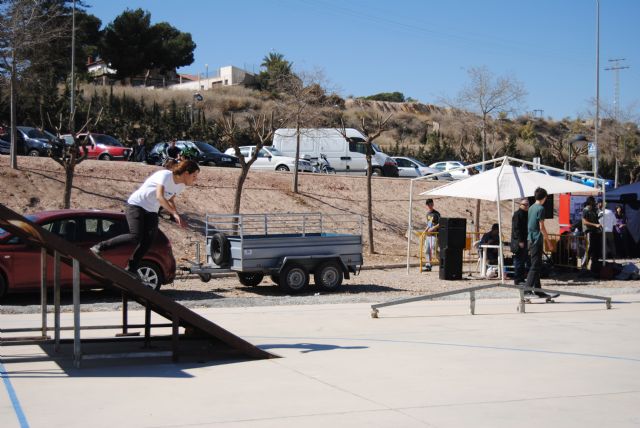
(540, 194)
(590, 201)
(495, 226)
(428, 201)
(188, 166)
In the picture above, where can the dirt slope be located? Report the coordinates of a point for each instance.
(39, 183)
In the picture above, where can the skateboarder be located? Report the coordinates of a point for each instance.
(159, 190)
(537, 237)
(519, 241)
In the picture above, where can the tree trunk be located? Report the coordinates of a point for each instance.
(68, 184)
(372, 249)
(295, 167)
(476, 226)
(14, 130)
(239, 184)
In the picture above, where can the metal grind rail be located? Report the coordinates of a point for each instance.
(84, 261)
(472, 297)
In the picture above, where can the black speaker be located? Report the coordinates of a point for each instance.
(452, 232)
(548, 206)
(450, 263)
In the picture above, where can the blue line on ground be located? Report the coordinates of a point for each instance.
(22, 419)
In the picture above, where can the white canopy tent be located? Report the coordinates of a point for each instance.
(504, 182)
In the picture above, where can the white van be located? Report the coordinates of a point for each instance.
(344, 154)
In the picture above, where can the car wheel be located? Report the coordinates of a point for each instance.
(220, 249)
(205, 277)
(104, 157)
(328, 275)
(150, 274)
(33, 153)
(282, 168)
(376, 172)
(294, 278)
(250, 279)
(3, 286)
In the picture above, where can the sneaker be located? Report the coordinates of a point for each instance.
(427, 268)
(542, 295)
(528, 294)
(96, 250)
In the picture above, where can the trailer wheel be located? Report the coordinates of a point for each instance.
(275, 278)
(220, 249)
(205, 277)
(294, 278)
(328, 275)
(250, 279)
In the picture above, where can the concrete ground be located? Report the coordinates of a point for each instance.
(424, 364)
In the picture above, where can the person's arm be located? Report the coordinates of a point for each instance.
(586, 222)
(168, 205)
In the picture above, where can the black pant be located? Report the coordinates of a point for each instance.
(533, 279)
(143, 226)
(520, 258)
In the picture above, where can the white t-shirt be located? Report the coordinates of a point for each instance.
(145, 196)
(608, 220)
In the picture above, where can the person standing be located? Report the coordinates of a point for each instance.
(430, 241)
(537, 236)
(592, 233)
(159, 190)
(620, 230)
(519, 246)
(139, 151)
(607, 222)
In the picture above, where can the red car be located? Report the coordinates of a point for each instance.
(19, 263)
(101, 146)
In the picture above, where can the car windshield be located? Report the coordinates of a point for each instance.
(275, 152)
(554, 173)
(420, 164)
(4, 234)
(376, 148)
(106, 140)
(206, 147)
(36, 133)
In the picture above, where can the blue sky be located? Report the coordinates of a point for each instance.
(420, 48)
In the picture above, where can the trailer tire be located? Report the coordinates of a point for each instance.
(328, 275)
(220, 249)
(205, 277)
(294, 278)
(250, 279)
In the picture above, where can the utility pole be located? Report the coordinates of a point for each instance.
(616, 67)
(72, 101)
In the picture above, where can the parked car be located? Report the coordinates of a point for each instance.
(449, 165)
(410, 167)
(5, 147)
(550, 172)
(101, 146)
(345, 152)
(272, 159)
(19, 261)
(33, 141)
(206, 154)
(608, 184)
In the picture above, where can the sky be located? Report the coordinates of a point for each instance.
(422, 48)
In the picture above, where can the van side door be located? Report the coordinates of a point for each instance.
(357, 153)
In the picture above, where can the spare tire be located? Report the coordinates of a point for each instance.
(220, 249)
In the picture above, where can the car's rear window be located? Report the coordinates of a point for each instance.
(107, 140)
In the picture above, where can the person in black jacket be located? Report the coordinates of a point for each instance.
(139, 151)
(519, 241)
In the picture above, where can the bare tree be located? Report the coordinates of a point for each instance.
(488, 96)
(70, 155)
(371, 126)
(261, 127)
(24, 25)
(303, 96)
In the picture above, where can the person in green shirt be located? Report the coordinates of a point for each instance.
(537, 237)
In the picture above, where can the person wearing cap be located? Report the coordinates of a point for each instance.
(433, 224)
(492, 237)
(519, 241)
(592, 230)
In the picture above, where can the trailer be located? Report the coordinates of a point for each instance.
(288, 247)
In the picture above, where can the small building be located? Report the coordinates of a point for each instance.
(224, 76)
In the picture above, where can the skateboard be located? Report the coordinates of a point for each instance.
(548, 299)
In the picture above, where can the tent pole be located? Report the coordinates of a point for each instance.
(604, 234)
(500, 253)
(410, 230)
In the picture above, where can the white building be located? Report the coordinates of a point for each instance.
(225, 76)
